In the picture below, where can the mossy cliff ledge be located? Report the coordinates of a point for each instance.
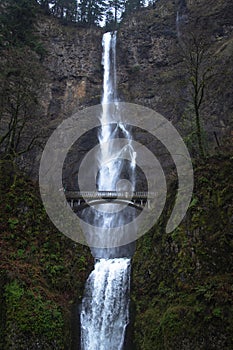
(42, 273)
(181, 295)
(182, 282)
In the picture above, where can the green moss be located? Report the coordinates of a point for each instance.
(29, 313)
(182, 282)
(44, 271)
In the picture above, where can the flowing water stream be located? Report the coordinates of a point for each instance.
(104, 312)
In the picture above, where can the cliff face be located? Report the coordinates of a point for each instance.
(152, 45)
(153, 48)
(73, 64)
(72, 78)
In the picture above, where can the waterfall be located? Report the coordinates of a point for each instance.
(178, 24)
(104, 315)
(181, 18)
(104, 311)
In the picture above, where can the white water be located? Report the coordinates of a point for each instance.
(178, 24)
(104, 313)
(105, 306)
(109, 156)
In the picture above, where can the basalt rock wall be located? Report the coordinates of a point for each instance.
(152, 67)
(72, 79)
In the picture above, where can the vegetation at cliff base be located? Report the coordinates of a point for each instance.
(182, 283)
(42, 272)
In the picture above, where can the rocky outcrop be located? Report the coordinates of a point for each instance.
(72, 78)
(73, 64)
(151, 67)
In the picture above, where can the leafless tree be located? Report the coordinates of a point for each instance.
(19, 84)
(197, 66)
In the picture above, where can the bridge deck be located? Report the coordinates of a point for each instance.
(109, 195)
(79, 200)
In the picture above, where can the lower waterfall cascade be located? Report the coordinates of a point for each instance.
(104, 314)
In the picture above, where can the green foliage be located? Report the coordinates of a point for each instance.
(13, 222)
(18, 21)
(135, 68)
(13, 293)
(188, 128)
(182, 282)
(91, 12)
(30, 313)
(133, 5)
(45, 271)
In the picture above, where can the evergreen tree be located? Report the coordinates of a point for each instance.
(133, 5)
(44, 5)
(82, 11)
(109, 20)
(63, 9)
(71, 11)
(92, 11)
(117, 8)
(17, 22)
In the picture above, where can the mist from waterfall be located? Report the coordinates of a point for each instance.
(104, 312)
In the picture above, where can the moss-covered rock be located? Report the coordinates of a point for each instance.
(182, 282)
(42, 272)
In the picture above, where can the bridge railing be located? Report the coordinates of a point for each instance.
(109, 194)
